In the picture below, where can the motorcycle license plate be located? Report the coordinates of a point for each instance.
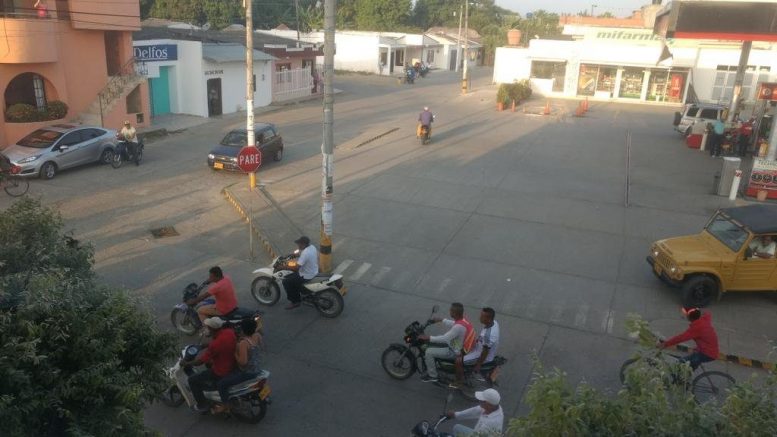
(218, 165)
(264, 392)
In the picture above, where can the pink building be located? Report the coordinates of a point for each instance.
(75, 51)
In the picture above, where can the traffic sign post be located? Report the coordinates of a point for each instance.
(249, 159)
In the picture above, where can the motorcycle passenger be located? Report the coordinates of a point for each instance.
(702, 333)
(485, 347)
(305, 270)
(425, 118)
(488, 413)
(220, 353)
(129, 136)
(457, 342)
(222, 290)
(247, 352)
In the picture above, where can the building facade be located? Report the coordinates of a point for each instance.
(75, 51)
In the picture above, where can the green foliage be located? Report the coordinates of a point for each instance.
(383, 15)
(76, 358)
(542, 24)
(503, 93)
(648, 405)
(23, 113)
(56, 110)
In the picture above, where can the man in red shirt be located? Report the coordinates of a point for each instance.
(220, 354)
(702, 333)
(222, 290)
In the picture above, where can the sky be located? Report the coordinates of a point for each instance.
(619, 8)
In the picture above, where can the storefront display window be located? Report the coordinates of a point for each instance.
(586, 83)
(631, 83)
(605, 83)
(666, 85)
(550, 70)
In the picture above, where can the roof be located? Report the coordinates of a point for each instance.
(761, 218)
(230, 53)
(208, 36)
(257, 127)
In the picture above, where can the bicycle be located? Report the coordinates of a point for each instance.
(705, 386)
(13, 184)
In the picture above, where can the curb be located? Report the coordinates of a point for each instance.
(369, 140)
(268, 247)
(742, 361)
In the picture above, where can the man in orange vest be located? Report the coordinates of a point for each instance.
(457, 342)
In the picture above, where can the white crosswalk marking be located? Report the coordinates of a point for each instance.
(360, 271)
(342, 266)
(378, 276)
(443, 285)
(581, 316)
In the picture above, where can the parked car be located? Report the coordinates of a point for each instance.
(48, 150)
(693, 113)
(268, 140)
(721, 258)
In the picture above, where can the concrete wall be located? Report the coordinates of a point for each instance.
(233, 85)
(187, 87)
(357, 53)
(511, 64)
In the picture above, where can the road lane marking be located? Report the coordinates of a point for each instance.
(342, 266)
(360, 271)
(378, 276)
(443, 285)
(608, 322)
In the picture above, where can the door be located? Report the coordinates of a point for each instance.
(160, 92)
(69, 150)
(452, 57)
(92, 144)
(214, 97)
(112, 50)
(754, 273)
(391, 64)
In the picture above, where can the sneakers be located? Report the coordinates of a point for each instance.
(427, 378)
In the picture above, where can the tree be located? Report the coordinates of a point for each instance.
(541, 23)
(649, 404)
(383, 15)
(76, 357)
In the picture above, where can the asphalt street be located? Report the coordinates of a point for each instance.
(530, 215)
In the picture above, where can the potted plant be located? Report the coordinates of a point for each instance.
(502, 96)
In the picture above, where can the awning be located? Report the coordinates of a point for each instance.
(220, 53)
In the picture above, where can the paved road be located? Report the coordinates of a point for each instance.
(523, 213)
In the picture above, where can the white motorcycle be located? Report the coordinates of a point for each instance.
(324, 292)
(248, 400)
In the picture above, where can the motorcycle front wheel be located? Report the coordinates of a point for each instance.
(117, 160)
(265, 290)
(172, 397)
(329, 303)
(398, 362)
(182, 320)
(249, 410)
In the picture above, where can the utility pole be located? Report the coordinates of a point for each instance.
(296, 12)
(739, 78)
(592, 10)
(327, 147)
(464, 77)
(251, 140)
(458, 41)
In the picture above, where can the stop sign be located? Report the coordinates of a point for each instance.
(249, 159)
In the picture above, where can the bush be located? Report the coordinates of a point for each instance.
(78, 358)
(23, 113)
(503, 94)
(56, 110)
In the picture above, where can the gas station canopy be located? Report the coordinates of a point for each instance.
(719, 20)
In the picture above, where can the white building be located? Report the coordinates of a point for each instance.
(623, 64)
(204, 79)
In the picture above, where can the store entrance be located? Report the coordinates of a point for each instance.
(666, 86)
(597, 81)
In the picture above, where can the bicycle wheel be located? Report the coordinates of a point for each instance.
(712, 385)
(16, 187)
(624, 367)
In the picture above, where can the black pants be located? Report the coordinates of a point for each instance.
(696, 359)
(293, 285)
(717, 142)
(199, 382)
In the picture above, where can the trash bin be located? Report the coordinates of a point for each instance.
(730, 166)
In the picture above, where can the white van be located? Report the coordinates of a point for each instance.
(698, 113)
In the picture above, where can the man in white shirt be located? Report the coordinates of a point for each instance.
(489, 415)
(763, 247)
(485, 346)
(305, 270)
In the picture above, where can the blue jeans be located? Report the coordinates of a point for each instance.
(236, 377)
(696, 359)
(461, 430)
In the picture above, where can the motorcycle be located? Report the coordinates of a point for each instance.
(324, 292)
(421, 69)
(127, 151)
(248, 400)
(425, 429)
(400, 361)
(185, 319)
(425, 137)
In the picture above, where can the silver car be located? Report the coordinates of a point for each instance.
(50, 149)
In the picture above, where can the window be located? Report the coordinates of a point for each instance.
(399, 58)
(88, 134)
(383, 58)
(270, 133)
(71, 139)
(550, 70)
(692, 111)
(282, 73)
(725, 76)
(429, 56)
(709, 113)
(26, 88)
(631, 83)
(40, 139)
(727, 232)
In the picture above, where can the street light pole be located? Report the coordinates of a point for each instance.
(458, 41)
(327, 147)
(250, 140)
(464, 78)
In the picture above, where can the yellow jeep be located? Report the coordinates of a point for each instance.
(734, 252)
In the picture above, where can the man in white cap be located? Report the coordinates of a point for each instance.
(489, 415)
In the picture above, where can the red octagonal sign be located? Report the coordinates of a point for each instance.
(249, 159)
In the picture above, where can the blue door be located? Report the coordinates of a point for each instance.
(160, 92)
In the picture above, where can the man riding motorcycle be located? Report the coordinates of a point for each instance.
(220, 353)
(305, 270)
(425, 119)
(222, 290)
(455, 343)
(485, 347)
(129, 136)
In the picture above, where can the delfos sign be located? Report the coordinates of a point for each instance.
(159, 52)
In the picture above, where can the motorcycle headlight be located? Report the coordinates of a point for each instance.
(28, 159)
(211, 156)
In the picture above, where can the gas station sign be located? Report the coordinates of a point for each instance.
(768, 91)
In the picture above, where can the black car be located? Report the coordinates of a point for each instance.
(224, 156)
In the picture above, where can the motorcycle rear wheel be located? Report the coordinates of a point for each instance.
(172, 397)
(329, 303)
(182, 320)
(398, 362)
(250, 410)
(265, 291)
